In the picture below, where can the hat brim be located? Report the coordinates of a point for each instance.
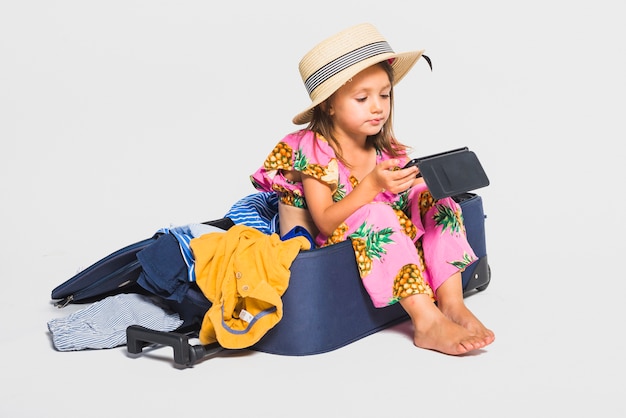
(401, 64)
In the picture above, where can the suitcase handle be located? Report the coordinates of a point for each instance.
(185, 354)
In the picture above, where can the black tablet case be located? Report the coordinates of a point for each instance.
(452, 172)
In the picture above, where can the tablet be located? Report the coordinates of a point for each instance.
(451, 172)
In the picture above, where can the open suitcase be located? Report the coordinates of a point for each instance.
(325, 306)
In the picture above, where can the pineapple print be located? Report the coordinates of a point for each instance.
(291, 198)
(284, 195)
(314, 170)
(287, 199)
(462, 264)
(426, 201)
(298, 200)
(449, 218)
(301, 164)
(279, 158)
(340, 193)
(369, 245)
(353, 180)
(328, 174)
(338, 234)
(406, 225)
(420, 251)
(410, 281)
(331, 173)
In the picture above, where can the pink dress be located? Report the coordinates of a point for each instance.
(404, 244)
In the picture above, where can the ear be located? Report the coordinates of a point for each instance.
(326, 107)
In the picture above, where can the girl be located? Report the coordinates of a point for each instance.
(341, 178)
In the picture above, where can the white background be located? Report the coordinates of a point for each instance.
(121, 117)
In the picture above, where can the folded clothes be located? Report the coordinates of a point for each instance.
(103, 324)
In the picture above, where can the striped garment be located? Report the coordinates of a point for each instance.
(184, 234)
(103, 324)
(95, 327)
(258, 210)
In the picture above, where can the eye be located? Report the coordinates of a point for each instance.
(361, 99)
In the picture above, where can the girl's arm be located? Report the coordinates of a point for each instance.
(328, 215)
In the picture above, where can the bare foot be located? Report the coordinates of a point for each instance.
(461, 315)
(435, 331)
(452, 305)
(446, 337)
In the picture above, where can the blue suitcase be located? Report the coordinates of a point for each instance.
(325, 306)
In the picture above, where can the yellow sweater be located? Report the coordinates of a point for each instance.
(243, 272)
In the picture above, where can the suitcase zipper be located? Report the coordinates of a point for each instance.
(85, 292)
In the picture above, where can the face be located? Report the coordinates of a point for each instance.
(361, 107)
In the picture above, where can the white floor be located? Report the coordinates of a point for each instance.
(121, 118)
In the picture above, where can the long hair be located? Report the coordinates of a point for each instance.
(384, 140)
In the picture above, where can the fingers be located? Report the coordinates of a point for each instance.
(395, 180)
(391, 164)
(406, 174)
(390, 176)
(399, 173)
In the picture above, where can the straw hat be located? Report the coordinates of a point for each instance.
(331, 63)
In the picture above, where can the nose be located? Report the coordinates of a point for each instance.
(377, 106)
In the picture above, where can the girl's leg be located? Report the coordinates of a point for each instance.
(434, 331)
(451, 303)
(446, 253)
(385, 254)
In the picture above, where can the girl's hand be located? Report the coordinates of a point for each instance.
(388, 176)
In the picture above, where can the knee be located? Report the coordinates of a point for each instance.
(380, 211)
